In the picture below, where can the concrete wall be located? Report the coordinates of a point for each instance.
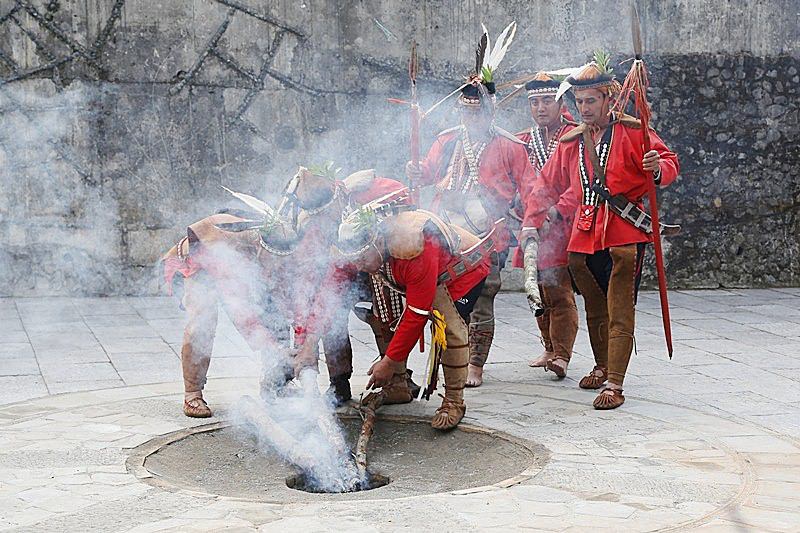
(120, 119)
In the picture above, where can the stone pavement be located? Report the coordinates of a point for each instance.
(709, 441)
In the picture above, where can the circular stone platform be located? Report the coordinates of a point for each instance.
(224, 460)
(75, 462)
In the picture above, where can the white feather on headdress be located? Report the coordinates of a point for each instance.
(252, 202)
(493, 58)
(562, 71)
(562, 89)
(566, 85)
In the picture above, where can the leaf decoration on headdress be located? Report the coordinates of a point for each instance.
(603, 61)
(325, 170)
(364, 218)
(561, 74)
(271, 222)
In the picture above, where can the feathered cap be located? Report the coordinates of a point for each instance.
(276, 234)
(596, 74)
(543, 84)
(360, 227)
(480, 83)
(280, 230)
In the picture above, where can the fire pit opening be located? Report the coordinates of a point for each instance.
(302, 482)
(407, 457)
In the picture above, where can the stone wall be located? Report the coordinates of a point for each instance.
(122, 118)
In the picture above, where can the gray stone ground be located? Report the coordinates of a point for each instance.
(709, 441)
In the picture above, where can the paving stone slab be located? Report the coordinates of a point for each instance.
(726, 429)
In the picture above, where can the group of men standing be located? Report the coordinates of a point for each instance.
(441, 262)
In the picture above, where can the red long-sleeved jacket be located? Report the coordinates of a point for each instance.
(553, 244)
(624, 175)
(418, 276)
(503, 170)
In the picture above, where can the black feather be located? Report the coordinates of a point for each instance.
(480, 52)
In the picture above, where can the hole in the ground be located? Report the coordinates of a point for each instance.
(303, 482)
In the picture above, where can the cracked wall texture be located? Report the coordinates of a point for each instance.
(122, 118)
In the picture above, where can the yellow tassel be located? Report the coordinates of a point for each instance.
(438, 346)
(438, 330)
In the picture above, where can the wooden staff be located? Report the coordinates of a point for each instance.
(368, 408)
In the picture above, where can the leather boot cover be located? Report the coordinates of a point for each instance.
(336, 345)
(481, 324)
(454, 363)
(622, 311)
(596, 307)
(562, 313)
(544, 320)
(340, 388)
(200, 302)
(397, 391)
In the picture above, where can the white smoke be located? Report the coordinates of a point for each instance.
(300, 424)
(54, 212)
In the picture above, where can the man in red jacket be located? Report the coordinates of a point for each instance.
(603, 159)
(477, 169)
(441, 270)
(559, 324)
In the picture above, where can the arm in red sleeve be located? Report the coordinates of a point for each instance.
(568, 203)
(669, 161)
(420, 275)
(432, 162)
(545, 192)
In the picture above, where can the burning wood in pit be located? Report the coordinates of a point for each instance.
(368, 408)
(354, 476)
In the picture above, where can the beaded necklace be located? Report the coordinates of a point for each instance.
(537, 153)
(391, 307)
(472, 159)
(603, 150)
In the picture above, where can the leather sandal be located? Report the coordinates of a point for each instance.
(561, 373)
(196, 408)
(593, 380)
(542, 360)
(397, 391)
(449, 414)
(609, 399)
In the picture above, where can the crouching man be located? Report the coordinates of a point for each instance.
(440, 269)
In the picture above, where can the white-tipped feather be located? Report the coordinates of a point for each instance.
(493, 59)
(565, 85)
(562, 89)
(252, 202)
(562, 71)
(488, 42)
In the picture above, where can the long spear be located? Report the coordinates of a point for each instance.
(416, 116)
(636, 83)
(412, 76)
(413, 105)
